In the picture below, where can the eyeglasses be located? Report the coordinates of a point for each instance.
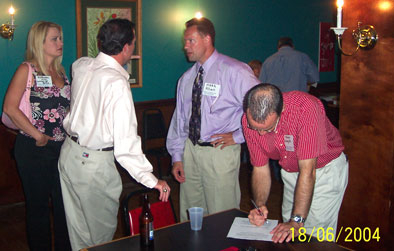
(264, 130)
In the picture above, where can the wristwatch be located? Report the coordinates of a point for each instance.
(297, 218)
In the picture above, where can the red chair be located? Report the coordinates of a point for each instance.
(163, 213)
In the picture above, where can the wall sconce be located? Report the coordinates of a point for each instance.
(365, 36)
(7, 30)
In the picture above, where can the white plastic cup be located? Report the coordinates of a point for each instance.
(195, 214)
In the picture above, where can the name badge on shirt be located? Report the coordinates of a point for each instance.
(289, 143)
(211, 90)
(44, 81)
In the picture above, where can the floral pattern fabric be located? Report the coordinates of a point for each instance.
(49, 107)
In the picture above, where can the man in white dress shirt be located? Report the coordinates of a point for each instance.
(102, 124)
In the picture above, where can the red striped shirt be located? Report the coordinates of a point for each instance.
(305, 126)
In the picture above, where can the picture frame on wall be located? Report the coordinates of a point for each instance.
(91, 14)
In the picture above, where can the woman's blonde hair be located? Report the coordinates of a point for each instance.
(35, 50)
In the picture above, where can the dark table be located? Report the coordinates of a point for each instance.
(212, 237)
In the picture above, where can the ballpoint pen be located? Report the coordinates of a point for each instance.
(258, 210)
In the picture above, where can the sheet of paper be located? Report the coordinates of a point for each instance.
(243, 229)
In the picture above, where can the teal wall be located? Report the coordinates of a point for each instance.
(246, 29)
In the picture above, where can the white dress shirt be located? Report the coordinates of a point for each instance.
(102, 114)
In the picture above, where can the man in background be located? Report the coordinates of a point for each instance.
(205, 132)
(289, 69)
(102, 124)
(255, 64)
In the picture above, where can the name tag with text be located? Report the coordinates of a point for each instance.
(289, 143)
(44, 81)
(211, 90)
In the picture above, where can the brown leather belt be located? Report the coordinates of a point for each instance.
(107, 149)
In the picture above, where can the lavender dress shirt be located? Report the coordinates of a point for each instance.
(220, 114)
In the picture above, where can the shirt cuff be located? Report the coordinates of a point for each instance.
(177, 157)
(238, 136)
(149, 180)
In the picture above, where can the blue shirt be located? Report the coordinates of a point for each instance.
(290, 70)
(219, 114)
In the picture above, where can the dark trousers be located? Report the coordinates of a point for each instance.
(38, 170)
(275, 167)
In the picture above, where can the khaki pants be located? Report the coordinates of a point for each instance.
(212, 178)
(330, 186)
(91, 187)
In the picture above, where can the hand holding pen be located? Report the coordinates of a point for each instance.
(256, 218)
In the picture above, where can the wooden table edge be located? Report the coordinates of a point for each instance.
(125, 237)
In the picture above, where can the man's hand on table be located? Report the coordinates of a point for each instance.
(282, 232)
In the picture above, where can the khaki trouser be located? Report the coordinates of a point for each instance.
(212, 178)
(91, 187)
(330, 186)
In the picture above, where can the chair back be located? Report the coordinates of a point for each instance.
(153, 125)
(163, 213)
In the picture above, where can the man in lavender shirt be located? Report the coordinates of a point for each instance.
(208, 169)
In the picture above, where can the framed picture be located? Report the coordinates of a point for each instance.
(91, 14)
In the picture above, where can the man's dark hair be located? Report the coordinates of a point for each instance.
(204, 27)
(263, 100)
(114, 34)
(285, 41)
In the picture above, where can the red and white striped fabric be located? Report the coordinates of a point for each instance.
(304, 119)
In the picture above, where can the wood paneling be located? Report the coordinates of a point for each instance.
(367, 125)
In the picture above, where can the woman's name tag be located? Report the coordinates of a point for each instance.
(44, 81)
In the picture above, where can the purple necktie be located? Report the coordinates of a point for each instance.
(195, 119)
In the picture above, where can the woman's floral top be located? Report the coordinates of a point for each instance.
(49, 106)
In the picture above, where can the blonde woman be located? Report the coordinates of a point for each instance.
(38, 144)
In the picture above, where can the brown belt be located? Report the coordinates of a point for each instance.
(107, 149)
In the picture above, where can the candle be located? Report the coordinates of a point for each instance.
(339, 13)
(11, 10)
